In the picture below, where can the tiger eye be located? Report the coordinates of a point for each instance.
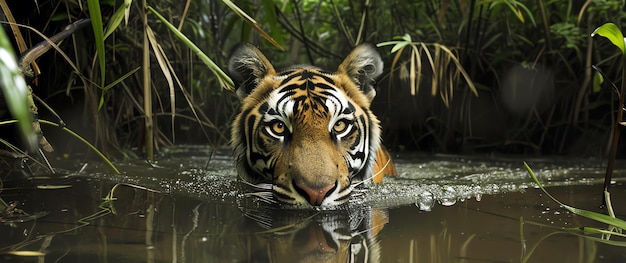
(278, 128)
(340, 126)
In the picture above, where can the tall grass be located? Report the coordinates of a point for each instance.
(16, 91)
(171, 84)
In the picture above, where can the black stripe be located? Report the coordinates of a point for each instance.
(327, 79)
(285, 96)
(350, 109)
(324, 86)
(290, 87)
(305, 74)
(289, 78)
(264, 108)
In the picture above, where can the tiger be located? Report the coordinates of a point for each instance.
(304, 136)
(312, 236)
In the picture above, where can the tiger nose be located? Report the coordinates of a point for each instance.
(315, 195)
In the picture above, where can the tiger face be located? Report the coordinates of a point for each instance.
(305, 135)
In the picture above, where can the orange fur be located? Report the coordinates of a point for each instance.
(298, 147)
(383, 165)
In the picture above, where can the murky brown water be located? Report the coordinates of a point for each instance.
(440, 209)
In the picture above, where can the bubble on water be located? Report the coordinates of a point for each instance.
(478, 192)
(426, 201)
(449, 196)
(447, 201)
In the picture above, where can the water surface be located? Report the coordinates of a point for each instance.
(439, 209)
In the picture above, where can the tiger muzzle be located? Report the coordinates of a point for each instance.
(315, 196)
(316, 171)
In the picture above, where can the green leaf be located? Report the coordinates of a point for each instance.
(387, 43)
(224, 79)
(120, 79)
(101, 101)
(596, 216)
(398, 44)
(597, 82)
(407, 38)
(588, 214)
(96, 24)
(613, 34)
(528, 12)
(15, 90)
(516, 11)
(116, 19)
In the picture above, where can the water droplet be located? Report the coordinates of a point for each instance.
(449, 196)
(447, 201)
(426, 201)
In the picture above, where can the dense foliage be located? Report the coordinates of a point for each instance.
(461, 75)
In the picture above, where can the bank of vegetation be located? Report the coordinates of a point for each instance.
(493, 76)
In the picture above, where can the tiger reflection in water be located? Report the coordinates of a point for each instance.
(312, 236)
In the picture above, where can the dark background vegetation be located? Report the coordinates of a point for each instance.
(530, 62)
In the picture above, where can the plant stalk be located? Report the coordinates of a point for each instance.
(147, 94)
(616, 126)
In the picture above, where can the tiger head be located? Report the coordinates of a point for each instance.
(305, 135)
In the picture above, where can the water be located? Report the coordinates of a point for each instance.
(439, 209)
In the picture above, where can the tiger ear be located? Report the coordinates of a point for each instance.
(363, 65)
(247, 66)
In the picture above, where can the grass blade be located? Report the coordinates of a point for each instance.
(412, 70)
(120, 79)
(15, 90)
(433, 66)
(80, 138)
(116, 19)
(96, 24)
(225, 81)
(585, 213)
(252, 23)
(163, 62)
(460, 69)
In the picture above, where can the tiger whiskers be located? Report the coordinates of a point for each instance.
(261, 218)
(359, 192)
(260, 186)
(267, 197)
(371, 178)
(263, 191)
